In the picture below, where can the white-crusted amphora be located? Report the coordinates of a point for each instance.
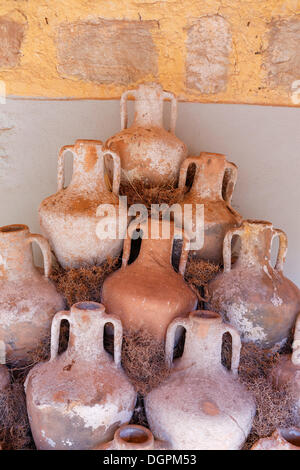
(148, 152)
(69, 218)
(251, 294)
(28, 299)
(201, 405)
(78, 399)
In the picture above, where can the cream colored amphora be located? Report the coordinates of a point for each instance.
(70, 217)
(148, 152)
(201, 405)
(28, 299)
(78, 399)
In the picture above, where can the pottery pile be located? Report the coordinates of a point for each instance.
(82, 398)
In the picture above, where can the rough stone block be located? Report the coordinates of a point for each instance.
(107, 51)
(11, 37)
(208, 48)
(281, 59)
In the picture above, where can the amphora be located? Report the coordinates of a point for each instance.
(78, 399)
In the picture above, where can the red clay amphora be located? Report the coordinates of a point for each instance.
(28, 300)
(212, 188)
(201, 405)
(69, 218)
(252, 295)
(78, 399)
(148, 294)
(148, 152)
(133, 437)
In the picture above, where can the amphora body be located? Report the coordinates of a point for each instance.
(148, 294)
(78, 399)
(28, 300)
(212, 188)
(70, 217)
(252, 295)
(201, 405)
(148, 152)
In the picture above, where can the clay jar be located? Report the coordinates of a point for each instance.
(201, 405)
(287, 371)
(78, 399)
(252, 295)
(133, 437)
(213, 185)
(148, 152)
(28, 300)
(69, 218)
(148, 294)
(281, 439)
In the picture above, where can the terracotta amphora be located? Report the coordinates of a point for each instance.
(28, 299)
(148, 152)
(69, 218)
(79, 398)
(201, 405)
(281, 439)
(148, 294)
(213, 185)
(252, 295)
(287, 371)
(133, 437)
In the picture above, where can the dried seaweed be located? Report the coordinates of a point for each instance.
(139, 193)
(83, 283)
(14, 426)
(143, 359)
(274, 405)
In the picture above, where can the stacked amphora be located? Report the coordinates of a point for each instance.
(79, 398)
(251, 294)
(148, 152)
(28, 299)
(211, 190)
(201, 405)
(69, 218)
(148, 293)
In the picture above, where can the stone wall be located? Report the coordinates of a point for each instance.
(245, 51)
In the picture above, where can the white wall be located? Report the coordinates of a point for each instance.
(263, 141)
